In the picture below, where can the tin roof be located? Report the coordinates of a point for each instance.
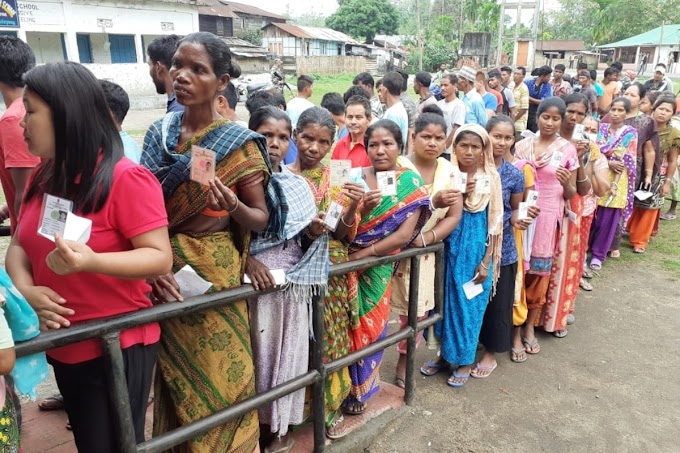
(322, 34)
(250, 10)
(666, 35)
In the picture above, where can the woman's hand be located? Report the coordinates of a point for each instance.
(221, 197)
(372, 200)
(259, 274)
(616, 166)
(70, 257)
(165, 288)
(48, 305)
(582, 147)
(648, 182)
(353, 191)
(4, 212)
(471, 184)
(666, 188)
(446, 198)
(563, 175)
(613, 188)
(481, 273)
(316, 226)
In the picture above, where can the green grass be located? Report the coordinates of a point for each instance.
(323, 84)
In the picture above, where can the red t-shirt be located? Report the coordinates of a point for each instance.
(13, 153)
(135, 206)
(498, 96)
(357, 155)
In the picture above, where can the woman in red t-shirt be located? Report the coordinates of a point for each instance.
(69, 126)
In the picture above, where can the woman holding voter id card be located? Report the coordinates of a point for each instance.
(116, 242)
(556, 162)
(473, 256)
(212, 211)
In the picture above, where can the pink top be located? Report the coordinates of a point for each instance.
(134, 206)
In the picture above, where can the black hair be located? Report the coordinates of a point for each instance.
(610, 71)
(618, 65)
(575, 98)
(641, 88)
(264, 113)
(426, 119)
(464, 134)
(424, 78)
(585, 73)
(217, 50)
(265, 97)
(551, 102)
(652, 96)
(404, 76)
(499, 119)
(87, 142)
(393, 81)
(434, 109)
(581, 66)
(624, 101)
(660, 64)
(453, 79)
(494, 74)
(391, 127)
(560, 67)
(593, 74)
(362, 101)
(365, 78)
(316, 115)
(355, 90)
(544, 71)
(534, 72)
(334, 103)
(507, 69)
(303, 82)
(117, 99)
(16, 59)
(522, 69)
(665, 98)
(163, 49)
(231, 95)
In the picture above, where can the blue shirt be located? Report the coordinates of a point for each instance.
(475, 113)
(291, 155)
(540, 93)
(131, 148)
(173, 105)
(490, 101)
(512, 182)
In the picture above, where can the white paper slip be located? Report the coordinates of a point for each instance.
(387, 183)
(556, 159)
(460, 181)
(190, 283)
(579, 132)
(472, 289)
(483, 184)
(642, 195)
(572, 216)
(202, 165)
(340, 170)
(532, 198)
(77, 229)
(527, 134)
(278, 274)
(53, 216)
(333, 216)
(523, 211)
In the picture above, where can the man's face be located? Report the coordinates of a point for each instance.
(154, 69)
(658, 76)
(416, 87)
(505, 77)
(518, 77)
(356, 120)
(544, 78)
(583, 80)
(463, 85)
(494, 82)
(381, 93)
(367, 88)
(442, 67)
(557, 74)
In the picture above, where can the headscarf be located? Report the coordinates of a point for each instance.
(476, 202)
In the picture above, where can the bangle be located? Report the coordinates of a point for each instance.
(422, 238)
(434, 235)
(615, 184)
(582, 180)
(342, 219)
(375, 252)
(238, 203)
(309, 234)
(432, 208)
(485, 267)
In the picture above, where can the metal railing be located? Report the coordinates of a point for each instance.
(108, 330)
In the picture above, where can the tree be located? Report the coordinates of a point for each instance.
(310, 20)
(363, 19)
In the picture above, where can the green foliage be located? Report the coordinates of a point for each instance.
(439, 45)
(252, 36)
(363, 19)
(310, 20)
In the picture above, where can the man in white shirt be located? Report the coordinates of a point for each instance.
(475, 113)
(300, 103)
(390, 92)
(453, 109)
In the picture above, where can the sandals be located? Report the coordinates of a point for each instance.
(638, 250)
(668, 216)
(281, 448)
(356, 408)
(531, 347)
(596, 264)
(52, 403)
(475, 373)
(586, 273)
(431, 368)
(399, 382)
(455, 375)
(518, 355)
(585, 285)
(560, 333)
(614, 254)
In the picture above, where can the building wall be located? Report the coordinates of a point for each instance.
(286, 45)
(46, 46)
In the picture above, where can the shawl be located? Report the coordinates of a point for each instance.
(620, 146)
(475, 202)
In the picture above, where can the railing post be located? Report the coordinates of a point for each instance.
(120, 398)
(414, 283)
(439, 267)
(318, 389)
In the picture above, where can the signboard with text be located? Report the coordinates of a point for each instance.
(9, 14)
(42, 13)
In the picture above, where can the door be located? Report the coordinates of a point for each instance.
(84, 48)
(123, 49)
(522, 53)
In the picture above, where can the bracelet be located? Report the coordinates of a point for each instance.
(342, 219)
(434, 234)
(309, 234)
(238, 203)
(432, 208)
(615, 184)
(582, 180)
(422, 238)
(485, 267)
(375, 252)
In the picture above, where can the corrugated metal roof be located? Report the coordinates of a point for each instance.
(251, 10)
(215, 8)
(655, 37)
(291, 29)
(322, 34)
(559, 45)
(245, 48)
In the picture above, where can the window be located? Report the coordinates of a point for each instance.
(219, 26)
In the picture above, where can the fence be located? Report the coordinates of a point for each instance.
(108, 330)
(328, 65)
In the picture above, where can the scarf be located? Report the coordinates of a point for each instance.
(476, 202)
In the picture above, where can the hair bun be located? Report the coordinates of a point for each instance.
(235, 71)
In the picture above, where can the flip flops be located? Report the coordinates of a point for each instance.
(532, 347)
(585, 285)
(431, 368)
(639, 250)
(596, 264)
(455, 375)
(518, 355)
(479, 368)
(668, 216)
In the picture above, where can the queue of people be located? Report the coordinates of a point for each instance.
(519, 218)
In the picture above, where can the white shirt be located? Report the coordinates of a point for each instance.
(295, 108)
(398, 114)
(454, 113)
